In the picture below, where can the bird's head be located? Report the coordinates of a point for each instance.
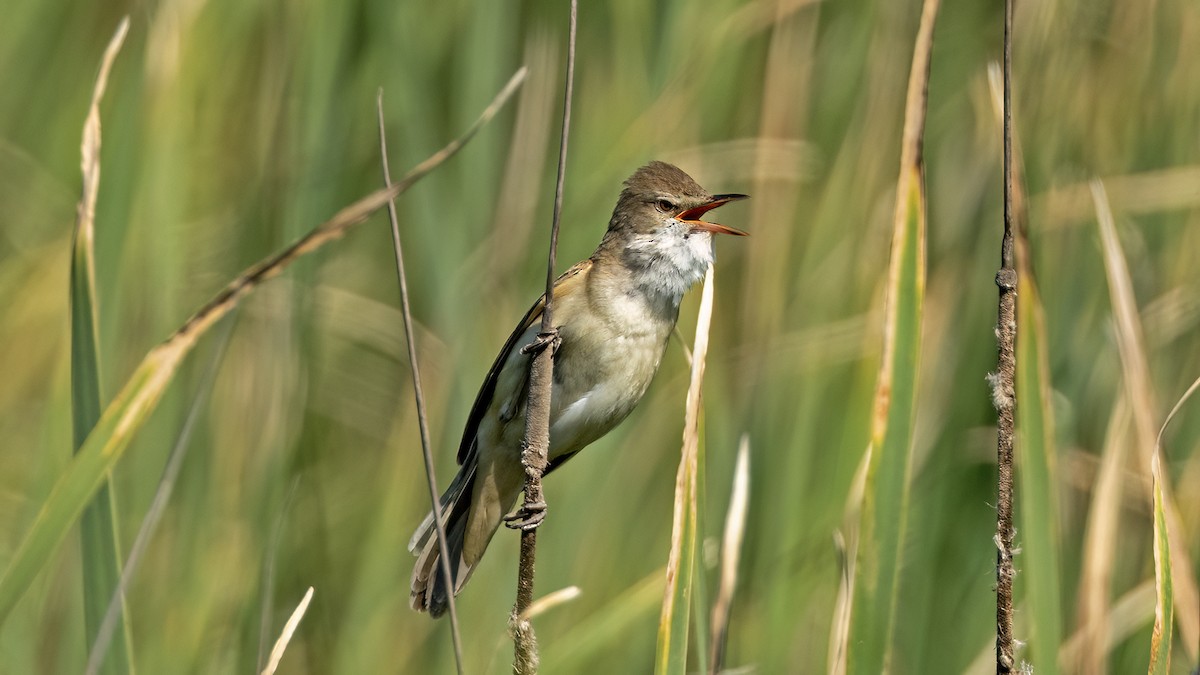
(658, 225)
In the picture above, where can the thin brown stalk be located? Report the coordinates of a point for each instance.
(419, 394)
(536, 445)
(1004, 386)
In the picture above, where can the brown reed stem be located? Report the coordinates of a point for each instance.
(422, 417)
(1004, 386)
(536, 445)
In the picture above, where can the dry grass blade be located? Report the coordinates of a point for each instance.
(884, 512)
(1170, 546)
(1171, 415)
(731, 549)
(100, 538)
(419, 393)
(1100, 541)
(551, 600)
(676, 608)
(144, 389)
(90, 148)
(285, 637)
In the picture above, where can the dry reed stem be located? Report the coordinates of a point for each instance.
(419, 394)
(1004, 392)
(684, 508)
(285, 637)
(536, 444)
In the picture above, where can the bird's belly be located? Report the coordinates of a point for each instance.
(596, 388)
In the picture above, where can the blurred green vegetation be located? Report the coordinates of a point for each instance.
(230, 128)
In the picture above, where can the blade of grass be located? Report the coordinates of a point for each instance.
(731, 548)
(882, 527)
(285, 636)
(1160, 639)
(1169, 545)
(158, 505)
(677, 597)
(1035, 450)
(142, 392)
(1160, 643)
(98, 527)
(1099, 547)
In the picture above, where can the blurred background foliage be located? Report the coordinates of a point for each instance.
(232, 127)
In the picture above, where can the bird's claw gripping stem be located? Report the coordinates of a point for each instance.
(543, 340)
(526, 518)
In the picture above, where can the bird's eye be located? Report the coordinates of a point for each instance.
(664, 205)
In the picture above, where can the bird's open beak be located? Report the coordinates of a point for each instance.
(693, 216)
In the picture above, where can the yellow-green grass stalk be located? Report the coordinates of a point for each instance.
(1035, 448)
(1164, 588)
(142, 392)
(881, 536)
(101, 556)
(681, 574)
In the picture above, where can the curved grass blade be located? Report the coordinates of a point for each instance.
(142, 392)
(98, 527)
(884, 511)
(1169, 546)
(677, 598)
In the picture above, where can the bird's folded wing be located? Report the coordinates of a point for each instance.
(566, 284)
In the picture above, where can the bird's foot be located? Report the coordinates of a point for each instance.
(526, 518)
(543, 340)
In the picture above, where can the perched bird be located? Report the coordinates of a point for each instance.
(614, 313)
